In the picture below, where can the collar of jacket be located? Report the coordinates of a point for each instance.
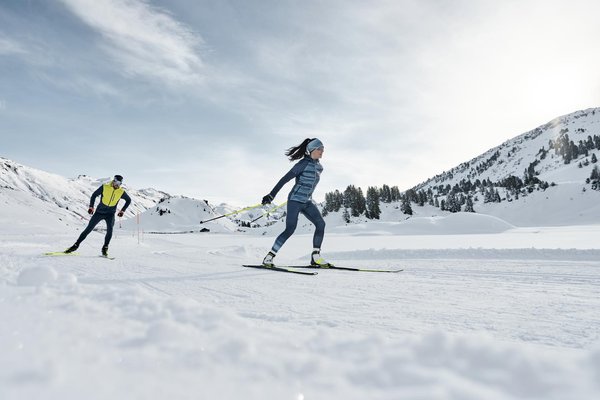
(311, 159)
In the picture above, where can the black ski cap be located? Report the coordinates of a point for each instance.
(118, 178)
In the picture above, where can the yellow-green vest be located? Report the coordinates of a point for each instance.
(110, 195)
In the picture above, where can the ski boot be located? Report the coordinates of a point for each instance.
(105, 251)
(317, 261)
(268, 260)
(72, 248)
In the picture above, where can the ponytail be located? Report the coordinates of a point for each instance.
(298, 152)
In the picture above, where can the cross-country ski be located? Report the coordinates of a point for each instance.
(343, 268)
(279, 269)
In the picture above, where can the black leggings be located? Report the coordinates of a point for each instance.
(96, 218)
(310, 211)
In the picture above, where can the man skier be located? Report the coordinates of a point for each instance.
(111, 193)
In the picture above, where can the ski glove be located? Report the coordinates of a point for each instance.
(91, 210)
(267, 199)
(120, 213)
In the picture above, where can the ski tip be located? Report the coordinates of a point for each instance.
(59, 253)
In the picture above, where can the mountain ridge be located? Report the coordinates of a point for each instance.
(544, 176)
(538, 178)
(513, 147)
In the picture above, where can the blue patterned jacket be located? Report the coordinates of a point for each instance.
(307, 173)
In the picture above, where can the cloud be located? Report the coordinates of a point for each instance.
(145, 41)
(10, 47)
(82, 84)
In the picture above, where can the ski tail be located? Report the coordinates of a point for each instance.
(60, 253)
(330, 266)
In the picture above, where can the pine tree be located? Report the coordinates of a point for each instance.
(386, 194)
(373, 210)
(405, 207)
(422, 198)
(595, 173)
(595, 178)
(361, 202)
(452, 203)
(594, 158)
(328, 202)
(497, 198)
(469, 205)
(350, 200)
(489, 195)
(355, 201)
(395, 193)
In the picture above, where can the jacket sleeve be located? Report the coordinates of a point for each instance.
(294, 172)
(127, 199)
(97, 193)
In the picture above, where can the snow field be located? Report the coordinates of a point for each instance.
(176, 316)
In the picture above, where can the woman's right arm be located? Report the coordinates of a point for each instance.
(294, 172)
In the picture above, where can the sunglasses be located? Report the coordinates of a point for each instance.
(117, 183)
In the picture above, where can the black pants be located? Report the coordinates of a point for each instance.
(311, 212)
(96, 218)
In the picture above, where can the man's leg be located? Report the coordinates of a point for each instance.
(110, 222)
(91, 225)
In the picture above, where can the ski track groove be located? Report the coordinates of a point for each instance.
(498, 292)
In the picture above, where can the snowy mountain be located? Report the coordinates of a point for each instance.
(45, 200)
(51, 197)
(179, 215)
(553, 151)
(545, 177)
(541, 177)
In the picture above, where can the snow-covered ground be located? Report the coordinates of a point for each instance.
(482, 310)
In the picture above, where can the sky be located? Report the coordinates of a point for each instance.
(201, 98)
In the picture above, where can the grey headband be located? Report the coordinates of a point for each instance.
(313, 145)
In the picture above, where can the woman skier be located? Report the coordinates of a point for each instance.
(307, 172)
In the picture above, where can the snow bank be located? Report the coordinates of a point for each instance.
(44, 275)
(206, 350)
(437, 365)
(452, 224)
(37, 276)
(178, 215)
(469, 254)
(562, 205)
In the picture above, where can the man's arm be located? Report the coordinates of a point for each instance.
(97, 193)
(127, 199)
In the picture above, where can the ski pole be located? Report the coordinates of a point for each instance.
(270, 210)
(231, 213)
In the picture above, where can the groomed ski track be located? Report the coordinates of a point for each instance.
(521, 324)
(511, 299)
